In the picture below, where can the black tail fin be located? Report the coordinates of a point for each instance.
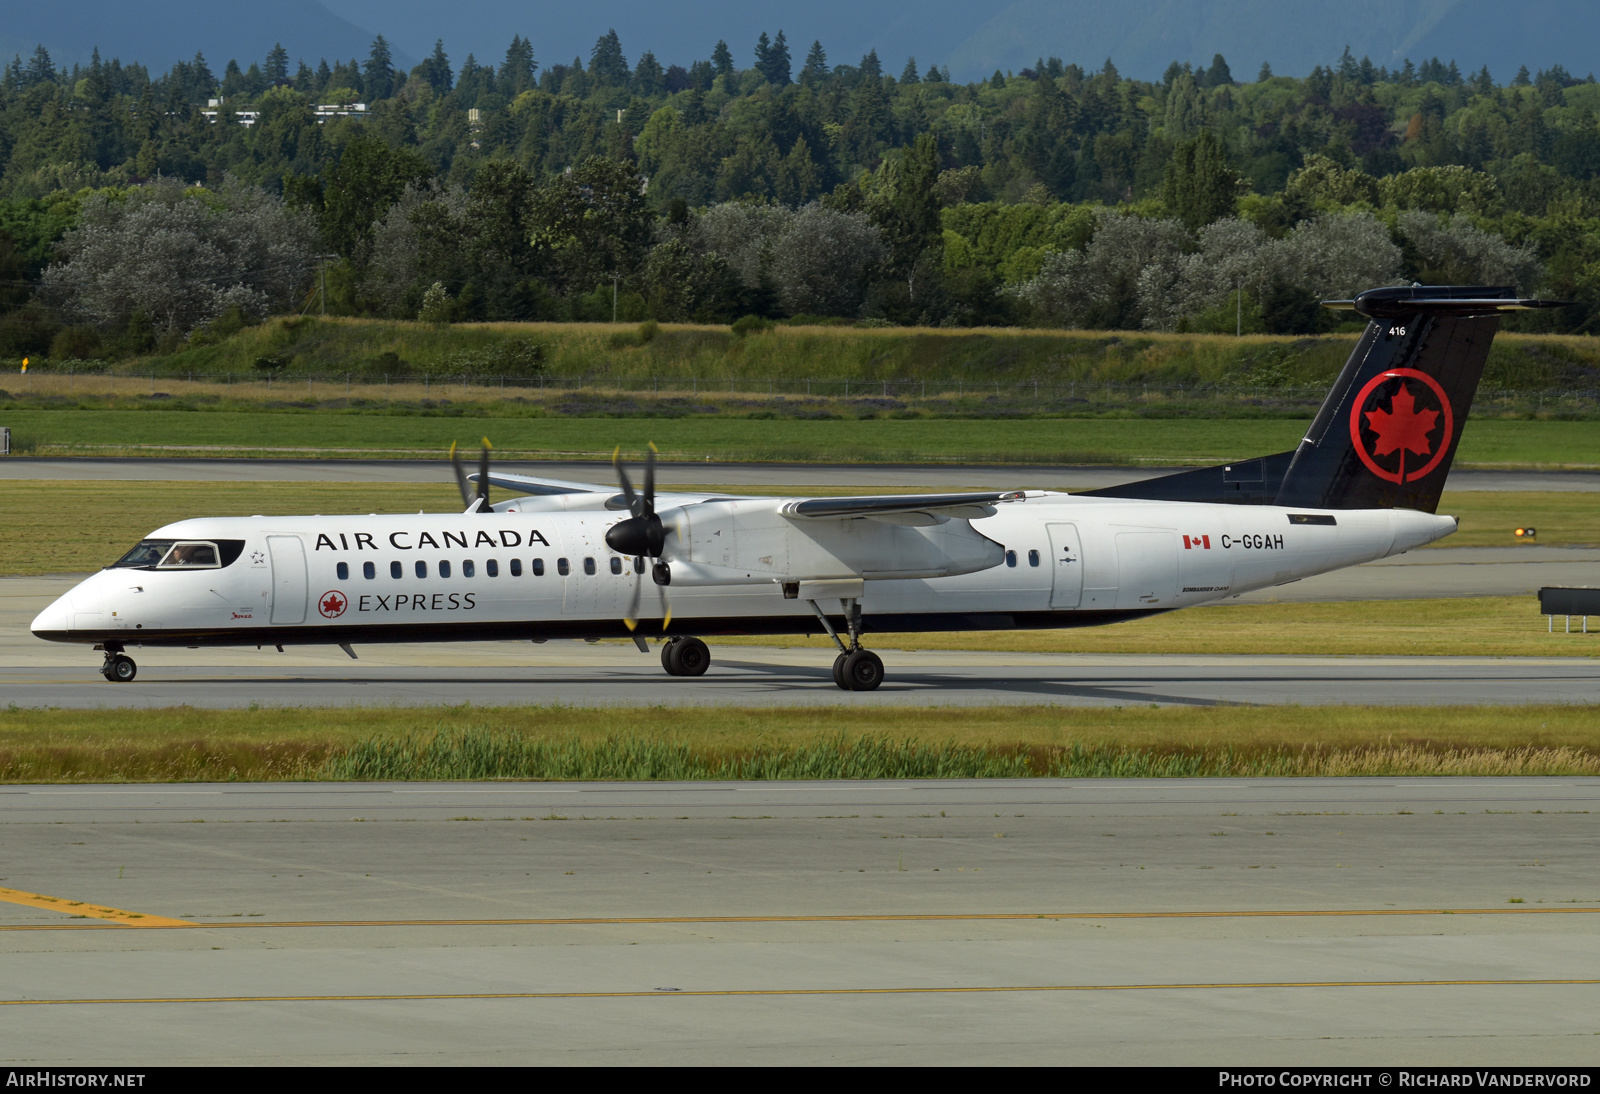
(1387, 432)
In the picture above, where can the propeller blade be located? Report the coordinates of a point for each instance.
(461, 476)
(632, 618)
(622, 477)
(483, 477)
(650, 480)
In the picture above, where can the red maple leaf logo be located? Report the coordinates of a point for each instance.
(331, 605)
(1403, 427)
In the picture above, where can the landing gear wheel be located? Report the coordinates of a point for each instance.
(838, 672)
(120, 669)
(692, 657)
(685, 657)
(862, 670)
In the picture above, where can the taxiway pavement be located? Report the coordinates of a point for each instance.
(754, 475)
(1351, 921)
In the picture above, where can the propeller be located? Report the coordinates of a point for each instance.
(475, 501)
(642, 534)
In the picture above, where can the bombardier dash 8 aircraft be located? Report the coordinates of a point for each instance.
(570, 560)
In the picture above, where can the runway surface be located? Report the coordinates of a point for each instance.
(618, 676)
(754, 475)
(1429, 921)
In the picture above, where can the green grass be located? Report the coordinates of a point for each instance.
(1193, 441)
(184, 744)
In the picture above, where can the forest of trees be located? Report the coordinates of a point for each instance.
(136, 209)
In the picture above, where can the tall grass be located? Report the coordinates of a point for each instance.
(478, 753)
(619, 354)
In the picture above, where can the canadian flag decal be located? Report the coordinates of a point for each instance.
(1202, 542)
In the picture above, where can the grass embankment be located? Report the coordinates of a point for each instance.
(376, 432)
(73, 526)
(182, 744)
(623, 354)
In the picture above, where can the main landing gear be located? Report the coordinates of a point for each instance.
(685, 656)
(119, 667)
(855, 669)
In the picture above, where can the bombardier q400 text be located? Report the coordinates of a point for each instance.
(570, 560)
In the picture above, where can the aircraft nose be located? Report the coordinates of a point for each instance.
(54, 621)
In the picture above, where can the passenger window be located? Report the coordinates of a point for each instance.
(538, 567)
(516, 568)
(468, 569)
(492, 567)
(1011, 558)
(444, 567)
(395, 571)
(1033, 558)
(638, 564)
(343, 570)
(588, 566)
(368, 571)
(616, 565)
(422, 568)
(561, 567)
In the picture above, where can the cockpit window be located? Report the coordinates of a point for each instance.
(146, 554)
(181, 554)
(190, 556)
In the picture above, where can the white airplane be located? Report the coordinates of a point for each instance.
(569, 560)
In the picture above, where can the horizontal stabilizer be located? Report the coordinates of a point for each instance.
(1243, 482)
(1409, 300)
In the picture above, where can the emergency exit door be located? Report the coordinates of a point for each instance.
(1066, 582)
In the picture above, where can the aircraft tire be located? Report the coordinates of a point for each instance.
(691, 657)
(838, 672)
(120, 669)
(666, 656)
(863, 670)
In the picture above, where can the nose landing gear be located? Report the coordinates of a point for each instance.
(119, 667)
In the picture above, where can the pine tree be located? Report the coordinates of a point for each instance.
(816, 66)
(778, 62)
(436, 69)
(1265, 74)
(378, 73)
(606, 63)
(1200, 186)
(908, 75)
(41, 69)
(721, 60)
(871, 67)
(648, 76)
(277, 66)
(516, 71)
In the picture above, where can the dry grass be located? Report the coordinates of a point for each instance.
(184, 744)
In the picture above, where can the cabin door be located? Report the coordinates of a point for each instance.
(288, 579)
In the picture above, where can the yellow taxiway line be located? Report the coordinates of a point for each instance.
(746, 992)
(92, 911)
(116, 917)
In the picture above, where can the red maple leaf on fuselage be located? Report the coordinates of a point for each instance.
(1404, 427)
(333, 605)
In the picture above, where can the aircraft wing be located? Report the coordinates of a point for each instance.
(528, 484)
(945, 505)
